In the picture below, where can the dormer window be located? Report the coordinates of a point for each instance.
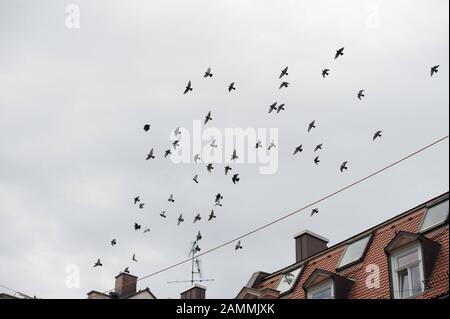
(288, 280)
(323, 284)
(435, 216)
(322, 291)
(354, 252)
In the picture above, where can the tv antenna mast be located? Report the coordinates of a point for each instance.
(196, 264)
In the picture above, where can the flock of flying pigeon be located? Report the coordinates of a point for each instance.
(235, 177)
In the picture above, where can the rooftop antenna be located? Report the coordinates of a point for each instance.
(196, 265)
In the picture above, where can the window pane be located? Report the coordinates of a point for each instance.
(403, 281)
(410, 258)
(322, 294)
(435, 215)
(288, 280)
(354, 251)
(415, 280)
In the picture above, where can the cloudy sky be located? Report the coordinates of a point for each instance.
(73, 102)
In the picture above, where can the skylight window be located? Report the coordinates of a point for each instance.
(354, 252)
(288, 280)
(435, 215)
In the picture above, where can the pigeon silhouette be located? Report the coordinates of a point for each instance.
(360, 94)
(137, 226)
(141, 205)
(146, 230)
(218, 197)
(175, 144)
(197, 218)
(273, 107)
(316, 160)
(188, 88)
(377, 134)
(126, 270)
(280, 108)
(196, 158)
(150, 155)
(177, 131)
(238, 245)
(199, 236)
(136, 200)
(98, 263)
(146, 127)
(434, 69)
(167, 153)
(171, 198)
(284, 72)
(284, 85)
(318, 147)
(134, 258)
(211, 216)
(180, 219)
(325, 72)
(339, 53)
(258, 144)
(213, 144)
(195, 179)
(227, 169)
(231, 87)
(272, 145)
(208, 73)
(208, 117)
(235, 178)
(210, 167)
(343, 166)
(234, 156)
(314, 211)
(311, 125)
(298, 149)
(163, 214)
(113, 242)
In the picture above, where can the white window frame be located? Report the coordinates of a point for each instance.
(401, 252)
(442, 222)
(321, 287)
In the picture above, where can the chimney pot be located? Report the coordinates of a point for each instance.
(307, 244)
(126, 284)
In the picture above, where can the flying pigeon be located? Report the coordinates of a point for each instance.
(171, 198)
(175, 144)
(325, 72)
(146, 230)
(258, 144)
(137, 226)
(180, 219)
(273, 107)
(318, 147)
(298, 149)
(272, 145)
(238, 245)
(113, 242)
(235, 178)
(167, 153)
(218, 197)
(208, 117)
(339, 53)
(208, 73)
(234, 156)
(343, 166)
(199, 236)
(284, 85)
(231, 87)
(227, 169)
(163, 214)
(316, 160)
(195, 179)
(196, 249)
(360, 94)
(197, 218)
(210, 167)
(141, 205)
(280, 108)
(98, 263)
(377, 134)
(146, 127)
(136, 200)
(314, 211)
(213, 143)
(434, 69)
(188, 88)
(196, 158)
(218, 203)
(284, 72)
(311, 125)
(126, 270)
(134, 258)
(150, 155)
(211, 216)
(177, 131)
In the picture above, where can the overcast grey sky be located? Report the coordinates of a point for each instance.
(72, 150)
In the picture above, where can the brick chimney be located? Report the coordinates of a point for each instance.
(195, 292)
(307, 244)
(125, 284)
